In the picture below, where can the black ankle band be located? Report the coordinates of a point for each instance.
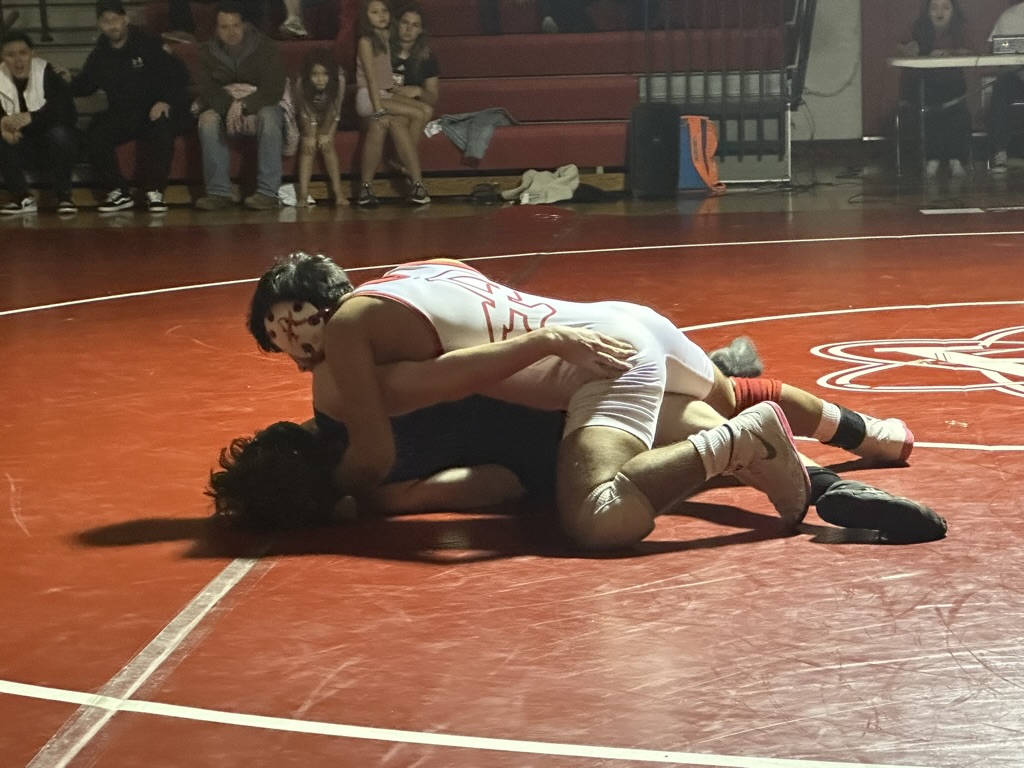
(821, 480)
(851, 431)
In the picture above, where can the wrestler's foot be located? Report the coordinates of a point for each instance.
(852, 504)
(740, 358)
(764, 457)
(885, 440)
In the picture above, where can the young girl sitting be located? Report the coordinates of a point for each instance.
(383, 111)
(317, 95)
(940, 31)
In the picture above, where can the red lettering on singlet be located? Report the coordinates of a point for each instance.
(506, 312)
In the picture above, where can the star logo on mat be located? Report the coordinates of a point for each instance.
(992, 361)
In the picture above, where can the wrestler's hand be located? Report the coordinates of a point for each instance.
(588, 349)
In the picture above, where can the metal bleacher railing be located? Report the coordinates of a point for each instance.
(742, 63)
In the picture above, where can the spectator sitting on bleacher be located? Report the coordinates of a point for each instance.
(183, 23)
(1007, 90)
(384, 111)
(37, 125)
(414, 67)
(147, 101)
(317, 94)
(240, 83)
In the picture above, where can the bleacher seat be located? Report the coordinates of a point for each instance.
(571, 94)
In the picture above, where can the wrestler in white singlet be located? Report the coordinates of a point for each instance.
(467, 309)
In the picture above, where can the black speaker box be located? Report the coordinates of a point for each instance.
(653, 162)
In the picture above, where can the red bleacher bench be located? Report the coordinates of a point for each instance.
(571, 93)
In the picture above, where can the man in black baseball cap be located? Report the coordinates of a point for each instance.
(147, 100)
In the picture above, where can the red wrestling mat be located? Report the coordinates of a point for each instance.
(133, 635)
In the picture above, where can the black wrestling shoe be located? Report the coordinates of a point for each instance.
(852, 504)
(740, 358)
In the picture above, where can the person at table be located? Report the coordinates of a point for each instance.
(940, 31)
(1007, 90)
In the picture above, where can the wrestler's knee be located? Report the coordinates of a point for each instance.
(615, 515)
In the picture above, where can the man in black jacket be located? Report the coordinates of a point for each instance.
(147, 100)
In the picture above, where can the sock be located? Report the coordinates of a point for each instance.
(851, 431)
(821, 480)
(829, 423)
(714, 446)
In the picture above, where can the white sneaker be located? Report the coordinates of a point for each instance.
(549, 26)
(886, 440)
(998, 163)
(764, 457)
(26, 205)
(293, 27)
(956, 169)
(931, 169)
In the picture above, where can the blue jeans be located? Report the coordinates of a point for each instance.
(217, 158)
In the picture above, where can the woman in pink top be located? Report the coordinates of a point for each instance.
(383, 111)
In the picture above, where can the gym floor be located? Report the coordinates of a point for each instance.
(133, 633)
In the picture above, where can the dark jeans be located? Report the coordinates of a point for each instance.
(947, 121)
(179, 14)
(109, 130)
(948, 134)
(53, 149)
(1008, 89)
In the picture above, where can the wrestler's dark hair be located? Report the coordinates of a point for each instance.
(296, 277)
(277, 480)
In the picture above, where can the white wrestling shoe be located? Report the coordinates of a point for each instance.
(885, 440)
(764, 457)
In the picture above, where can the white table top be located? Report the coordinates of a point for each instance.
(973, 60)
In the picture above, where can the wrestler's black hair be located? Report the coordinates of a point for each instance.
(279, 479)
(296, 277)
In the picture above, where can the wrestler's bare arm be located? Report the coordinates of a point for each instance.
(408, 386)
(360, 405)
(452, 489)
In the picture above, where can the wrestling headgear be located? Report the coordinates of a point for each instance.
(297, 329)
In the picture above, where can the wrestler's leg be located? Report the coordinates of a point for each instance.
(668, 359)
(610, 486)
(882, 440)
(809, 416)
(846, 503)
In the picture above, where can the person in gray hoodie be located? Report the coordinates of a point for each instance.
(240, 81)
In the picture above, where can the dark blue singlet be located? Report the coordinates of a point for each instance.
(476, 430)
